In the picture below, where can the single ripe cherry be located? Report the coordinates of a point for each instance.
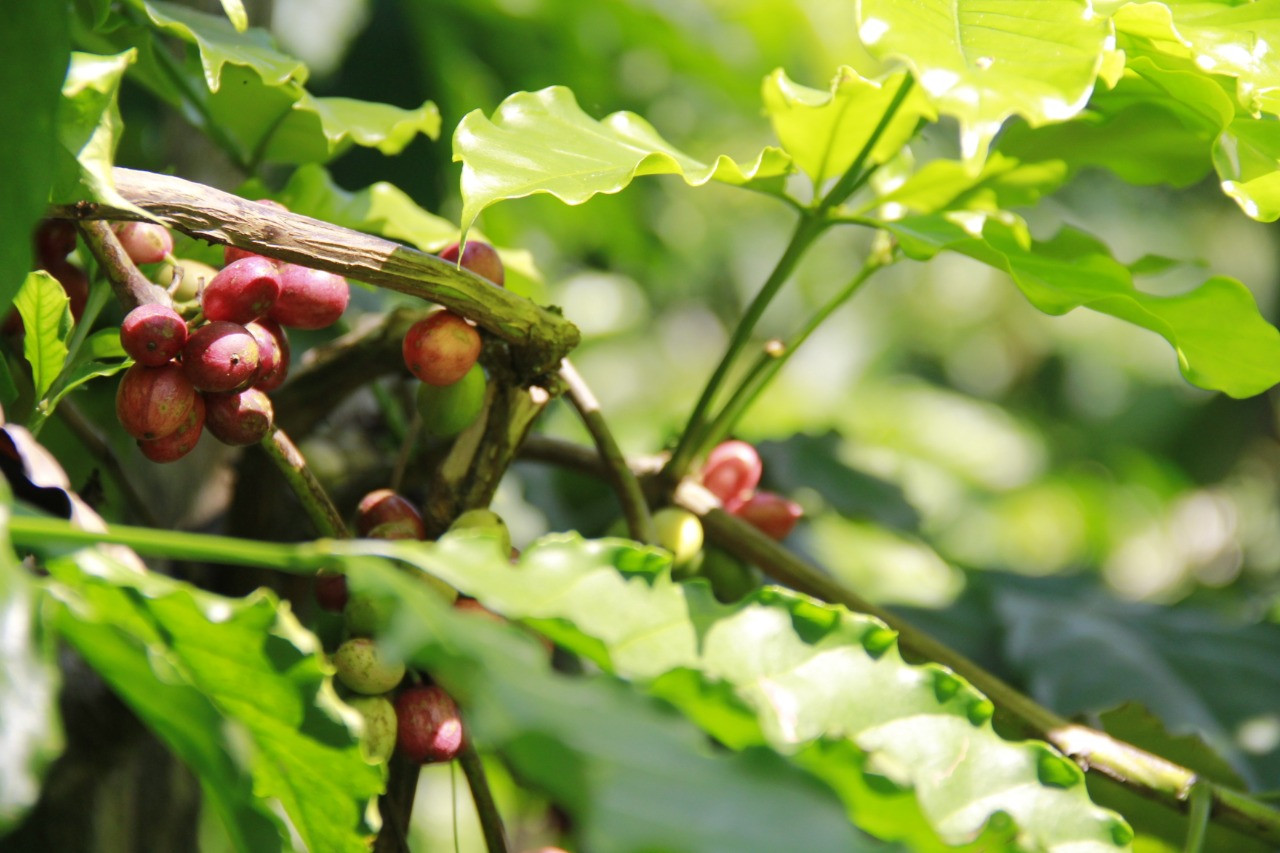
(153, 334)
(772, 514)
(55, 239)
(386, 511)
(273, 354)
(479, 257)
(153, 402)
(731, 473)
(309, 299)
(331, 591)
(178, 444)
(239, 419)
(144, 242)
(441, 348)
(221, 357)
(428, 727)
(243, 291)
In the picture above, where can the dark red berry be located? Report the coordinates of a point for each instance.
(479, 257)
(153, 334)
(221, 357)
(428, 727)
(239, 419)
(383, 507)
(153, 402)
(731, 473)
(331, 591)
(771, 514)
(55, 239)
(441, 348)
(273, 354)
(309, 299)
(144, 242)
(243, 291)
(181, 442)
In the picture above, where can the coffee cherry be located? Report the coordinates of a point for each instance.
(242, 291)
(179, 443)
(144, 242)
(153, 402)
(54, 239)
(731, 579)
(485, 519)
(680, 532)
(772, 514)
(309, 299)
(447, 410)
(331, 591)
(153, 334)
(428, 727)
(364, 668)
(221, 357)
(194, 276)
(368, 615)
(379, 738)
(239, 419)
(731, 473)
(441, 348)
(383, 507)
(479, 257)
(273, 354)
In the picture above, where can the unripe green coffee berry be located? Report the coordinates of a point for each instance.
(379, 739)
(680, 532)
(484, 519)
(362, 667)
(731, 579)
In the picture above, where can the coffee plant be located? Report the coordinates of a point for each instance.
(625, 510)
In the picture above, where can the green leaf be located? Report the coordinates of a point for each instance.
(542, 142)
(1002, 183)
(34, 44)
(89, 128)
(982, 62)
(1247, 157)
(32, 734)
(46, 317)
(808, 672)
(317, 129)
(824, 132)
(234, 10)
(1221, 340)
(630, 774)
(238, 689)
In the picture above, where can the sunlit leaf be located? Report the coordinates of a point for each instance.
(985, 61)
(46, 318)
(542, 142)
(34, 44)
(234, 10)
(824, 131)
(314, 130)
(1002, 183)
(1247, 157)
(807, 671)
(236, 688)
(1221, 340)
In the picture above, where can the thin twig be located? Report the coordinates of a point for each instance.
(495, 837)
(315, 500)
(130, 286)
(620, 476)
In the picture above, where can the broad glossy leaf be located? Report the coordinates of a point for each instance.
(234, 10)
(315, 130)
(32, 733)
(1247, 157)
(824, 131)
(1221, 340)
(542, 142)
(89, 127)
(1232, 39)
(46, 317)
(238, 689)
(808, 672)
(630, 774)
(982, 61)
(35, 47)
(1003, 183)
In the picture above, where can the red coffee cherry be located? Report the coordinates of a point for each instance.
(771, 514)
(243, 291)
(331, 591)
(180, 443)
(731, 472)
(383, 511)
(273, 354)
(428, 727)
(239, 419)
(153, 334)
(479, 257)
(221, 357)
(55, 239)
(153, 402)
(144, 242)
(309, 299)
(441, 348)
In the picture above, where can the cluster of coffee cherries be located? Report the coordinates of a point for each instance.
(214, 373)
(420, 719)
(731, 472)
(442, 349)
